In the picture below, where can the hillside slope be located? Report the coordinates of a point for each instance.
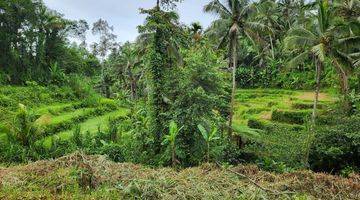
(78, 176)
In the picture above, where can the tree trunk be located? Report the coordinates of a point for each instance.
(233, 91)
(208, 152)
(317, 91)
(158, 62)
(132, 84)
(344, 85)
(134, 88)
(173, 156)
(311, 134)
(272, 47)
(158, 4)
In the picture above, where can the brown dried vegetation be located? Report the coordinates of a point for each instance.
(90, 177)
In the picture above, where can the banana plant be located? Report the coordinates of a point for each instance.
(208, 137)
(170, 140)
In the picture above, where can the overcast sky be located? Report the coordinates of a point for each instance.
(124, 14)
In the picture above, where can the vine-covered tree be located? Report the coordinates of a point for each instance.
(161, 24)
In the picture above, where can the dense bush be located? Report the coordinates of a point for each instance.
(198, 96)
(292, 117)
(337, 146)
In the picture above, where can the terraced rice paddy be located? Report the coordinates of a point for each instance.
(266, 111)
(92, 125)
(260, 104)
(63, 117)
(277, 120)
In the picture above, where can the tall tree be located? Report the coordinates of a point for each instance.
(320, 41)
(106, 44)
(232, 23)
(128, 64)
(160, 25)
(107, 38)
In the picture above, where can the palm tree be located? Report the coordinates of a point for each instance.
(130, 59)
(267, 13)
(320, 41)
(196, 31)
(232, 23)
(349, 11)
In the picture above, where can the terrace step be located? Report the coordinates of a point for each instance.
(91, 125)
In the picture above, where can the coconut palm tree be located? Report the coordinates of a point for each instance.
(349, 11)
(267, 13)
(232, 23)
(321, 41)
(196, 31)
(129, 62)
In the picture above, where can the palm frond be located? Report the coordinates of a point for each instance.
(217, 8)
(357, 63)
(355, 55)
(350, 42)
(297, 42)
(299, 59)
(343, 62)
(246, 10)
(218, 28)
(299, 31)
(258, 26)
(247, 132)
(319, 51)
(254, 37)
(223, 41)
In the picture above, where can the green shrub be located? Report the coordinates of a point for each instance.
(77, 138)
(58, 148)
(291, 117)
(337, 147)
(4, 79)
(355, 101)
(256, 124)
(113, 151)
(266, 125)
(81, 87)
(271, 165)
(277, 142)
(304, 106)
(6, 101)
(57, 75)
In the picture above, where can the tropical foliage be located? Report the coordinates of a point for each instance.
(182, 94)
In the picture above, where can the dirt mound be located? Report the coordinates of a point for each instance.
(89, 177)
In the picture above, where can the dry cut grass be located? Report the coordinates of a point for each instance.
(78, 176)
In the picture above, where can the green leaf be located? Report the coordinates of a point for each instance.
(215, 138)
(173, 128)
(203, 132)
(213, 133)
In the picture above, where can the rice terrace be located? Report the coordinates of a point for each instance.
(180, 99)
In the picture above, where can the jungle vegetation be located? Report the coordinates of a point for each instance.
(275, 83)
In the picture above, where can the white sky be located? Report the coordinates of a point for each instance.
(124, 14)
